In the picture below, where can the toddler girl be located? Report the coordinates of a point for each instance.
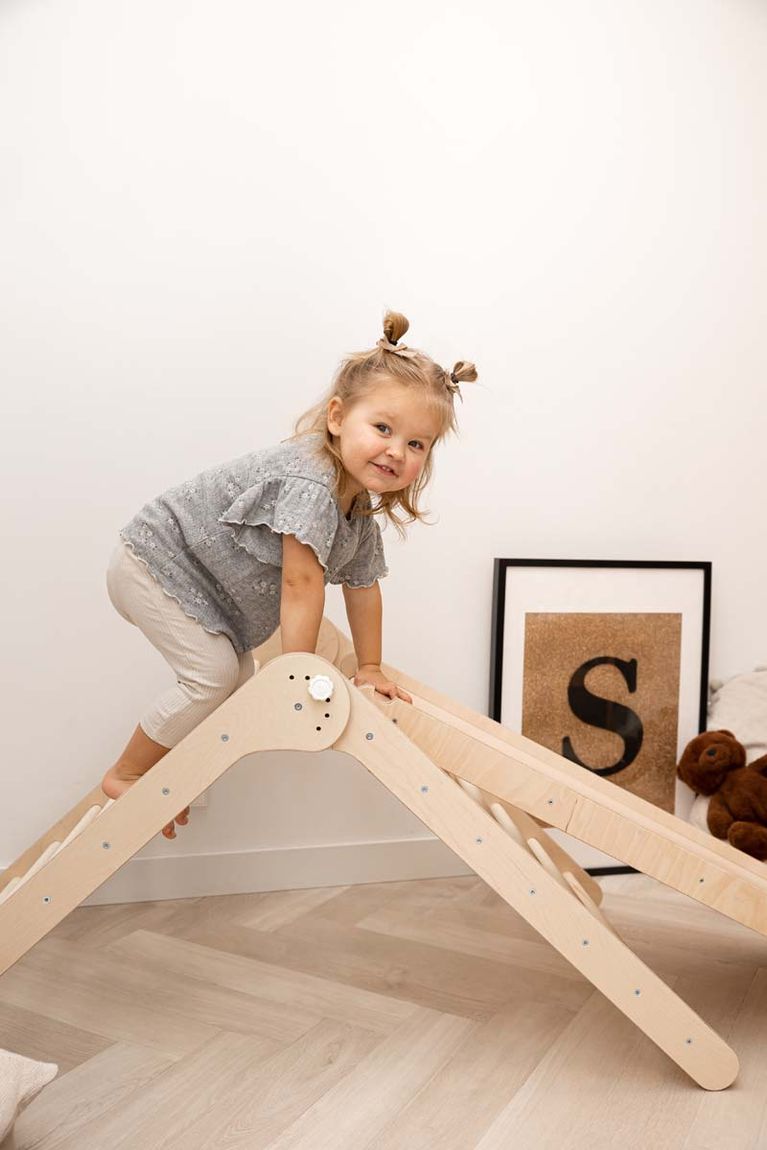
(210, 569)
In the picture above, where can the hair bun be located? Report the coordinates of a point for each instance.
(463, 372)
(395, 325)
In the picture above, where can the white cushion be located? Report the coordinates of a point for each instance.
(740, 706)
(699, 813)
(20, 1079)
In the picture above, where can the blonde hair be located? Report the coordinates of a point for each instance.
(357, 376)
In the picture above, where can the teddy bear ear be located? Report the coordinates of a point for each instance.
(722, 731)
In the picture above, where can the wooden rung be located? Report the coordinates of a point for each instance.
(90, 816)
(9, 888)
(473, 791)
(528, 833)
(545, 860)
(50, 851)
(496, 809)
(501, 816)
(581, 893)
(556, 856)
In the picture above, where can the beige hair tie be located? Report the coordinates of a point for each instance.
(405, 352)
(452, 385)
(463, 372)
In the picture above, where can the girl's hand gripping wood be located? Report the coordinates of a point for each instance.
(372, 675)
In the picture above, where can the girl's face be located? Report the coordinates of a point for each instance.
(384, 438)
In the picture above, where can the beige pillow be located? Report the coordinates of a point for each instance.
(20, 1079)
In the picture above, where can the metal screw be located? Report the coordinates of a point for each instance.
(585, 942)
(224, 738)
(478, 840)
(532, 890)
(298, 706)
(47, 898)
(701, 880)
(549, 802)
(637, 993)
(106, 846)
(688, 1041)
(424, 790)
(165, 790)
(370, 736)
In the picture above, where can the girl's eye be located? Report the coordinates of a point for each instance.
(384, 427)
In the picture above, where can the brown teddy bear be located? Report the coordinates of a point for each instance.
(714, 764)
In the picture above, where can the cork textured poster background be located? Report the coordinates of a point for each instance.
(603, 689)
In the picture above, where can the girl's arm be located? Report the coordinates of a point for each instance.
(364, 611)
(302, 596)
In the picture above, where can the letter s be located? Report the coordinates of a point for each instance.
(605, 714)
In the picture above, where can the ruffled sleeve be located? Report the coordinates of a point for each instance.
(368, 563)
(285, 505)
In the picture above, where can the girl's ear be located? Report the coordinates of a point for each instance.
(335, 415)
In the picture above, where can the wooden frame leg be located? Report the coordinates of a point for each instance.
(542, 900)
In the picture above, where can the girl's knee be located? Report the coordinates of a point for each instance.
(213, 682)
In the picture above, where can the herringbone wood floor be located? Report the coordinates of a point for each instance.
(399, 1015)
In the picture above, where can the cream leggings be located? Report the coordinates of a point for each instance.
(206, 666)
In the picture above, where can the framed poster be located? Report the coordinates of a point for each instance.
(606, 663)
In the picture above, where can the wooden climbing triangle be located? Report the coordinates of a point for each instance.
(491, 795)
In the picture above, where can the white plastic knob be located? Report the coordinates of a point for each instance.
(321, 687)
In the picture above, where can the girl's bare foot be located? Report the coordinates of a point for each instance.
(118, 780)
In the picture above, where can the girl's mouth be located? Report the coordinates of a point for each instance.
(386, 470)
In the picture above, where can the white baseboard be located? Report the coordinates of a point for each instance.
(291, 868)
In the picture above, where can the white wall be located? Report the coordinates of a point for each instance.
(204, 205)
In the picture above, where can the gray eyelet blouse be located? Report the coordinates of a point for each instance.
(215, 543)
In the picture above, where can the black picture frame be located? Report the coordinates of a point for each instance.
(504, 570)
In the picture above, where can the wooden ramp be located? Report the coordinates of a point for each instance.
(488, 793)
